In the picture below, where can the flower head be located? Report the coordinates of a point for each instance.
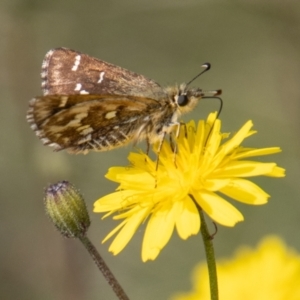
(272, 271)
(202, 172)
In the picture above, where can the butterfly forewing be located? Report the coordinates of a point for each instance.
(67, 72)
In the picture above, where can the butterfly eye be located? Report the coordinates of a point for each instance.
(182, 100)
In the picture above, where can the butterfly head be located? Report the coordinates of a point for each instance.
(185, 99)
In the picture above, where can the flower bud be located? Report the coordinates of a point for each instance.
(66, 208)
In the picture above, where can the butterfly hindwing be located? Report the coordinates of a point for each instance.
(95, 122)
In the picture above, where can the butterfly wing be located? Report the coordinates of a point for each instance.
(93, 122)
(67, 72)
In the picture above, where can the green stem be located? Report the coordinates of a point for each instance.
(110, 278)
(210, 258)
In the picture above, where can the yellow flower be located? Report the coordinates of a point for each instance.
(198, 176)
(269, 272)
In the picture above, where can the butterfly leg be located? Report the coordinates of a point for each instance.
(174, 145)
(169, 129)
(148, 146)
(147, 149)
(159, 148)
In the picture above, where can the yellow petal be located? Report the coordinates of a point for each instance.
(199, 139)
(276, 172)
(212, 142)
(114, 231)
(236, 140)
(126, 214)
(190, 127)
(128, 230)
(114, 172)
(245, 191)
(214, 184)
(139, 181)
(158, 232)
(218, 209)
(142, 162)
(149, 253)
(243, 169)
(115, 201)
(250, 152)
(211, 120)
(187, 220)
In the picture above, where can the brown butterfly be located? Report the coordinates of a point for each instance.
(89, 104)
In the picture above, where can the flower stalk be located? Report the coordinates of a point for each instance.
(210, 258)
(102, 266)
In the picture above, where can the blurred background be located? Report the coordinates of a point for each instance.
(254, 49)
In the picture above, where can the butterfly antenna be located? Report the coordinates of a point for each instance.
(206, 67)
(215, 96)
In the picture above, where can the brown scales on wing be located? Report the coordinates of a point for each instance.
(97, 122)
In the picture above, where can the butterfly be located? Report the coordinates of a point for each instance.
(89, 104)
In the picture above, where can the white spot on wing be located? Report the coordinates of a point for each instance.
(101, 77)
(45, 63)
(76, 63)
(83, 92)
(78, 87)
